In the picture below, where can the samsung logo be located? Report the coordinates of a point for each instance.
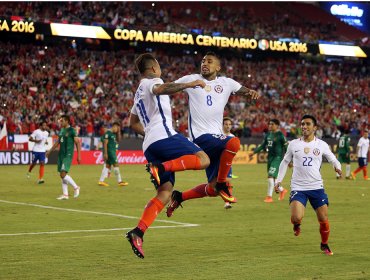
(7, 158)
(344, 10)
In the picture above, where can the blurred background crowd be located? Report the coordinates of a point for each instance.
(96, 87)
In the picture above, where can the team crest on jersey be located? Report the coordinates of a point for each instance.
(316, 152)
(306, 150)
(207, 88)
(219, 89)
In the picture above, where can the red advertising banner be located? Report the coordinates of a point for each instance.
(123, 157)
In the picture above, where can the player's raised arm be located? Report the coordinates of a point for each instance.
(171, 88)
(244, 91)
(136, 125)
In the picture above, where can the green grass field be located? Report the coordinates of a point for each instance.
(253, 240)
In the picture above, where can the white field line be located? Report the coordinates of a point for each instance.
(178, 224)
(86, 230)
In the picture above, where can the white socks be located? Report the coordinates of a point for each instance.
(118, 174)
(348, 170)
(270, 186)
(64, 187)
(104, 174)
(70, 181)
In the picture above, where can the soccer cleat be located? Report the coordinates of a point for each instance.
(348, 177)
(297, 229)
(326, 250)
(366, 178)
(282, 194)
(40, 181)
(122, 184)
(353, 176)
(63, 197)
(234, 176)
(103, 184)
(224, 192)
(268, 199)
(154, 175)
(76, 192)
(176, 199)
(228, 205)
(136, 243)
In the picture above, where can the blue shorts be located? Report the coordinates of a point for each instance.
(362, 161)
(38, 156)
(169, 149)
(213, 145)
(317, 198)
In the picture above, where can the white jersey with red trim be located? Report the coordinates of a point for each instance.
(307, 160)
(38, 134)
(206, 105)
(153, 111)
(363, 147)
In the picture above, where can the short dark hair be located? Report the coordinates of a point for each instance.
(275, 121)
(116, 123)
(226, 119)
(143, 62)
(213, 54)
(310, 117)
(66, 118)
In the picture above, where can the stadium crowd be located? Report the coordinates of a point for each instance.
(96, 87)
(267, 20)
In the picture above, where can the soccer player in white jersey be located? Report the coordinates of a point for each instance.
(39, 137)
(306, 183)
(165, 150)
(362, 152)
(206, 109)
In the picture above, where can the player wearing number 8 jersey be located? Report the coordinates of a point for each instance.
(206, 108)
(165, 150)
(307, 183)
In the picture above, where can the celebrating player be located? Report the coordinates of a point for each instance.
(275, 144)
(206, 108)
(109, 140)
(165, 149)
(67, 140)
(362, 151)
(306, 182)
(39, 137)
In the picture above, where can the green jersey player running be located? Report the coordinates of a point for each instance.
(275, 144)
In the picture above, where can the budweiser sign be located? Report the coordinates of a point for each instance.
(123, 157)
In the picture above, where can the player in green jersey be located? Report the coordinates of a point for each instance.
(67, 139)
(275, 144)
(109, 141)
(344, 153)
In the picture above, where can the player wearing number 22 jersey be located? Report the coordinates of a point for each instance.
(306, 183)
(206, 108)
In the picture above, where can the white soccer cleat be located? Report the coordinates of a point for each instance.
(63, 197)
(228, 205)
(76, 192)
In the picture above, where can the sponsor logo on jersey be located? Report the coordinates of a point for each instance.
(219, 89)
(316, 152)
